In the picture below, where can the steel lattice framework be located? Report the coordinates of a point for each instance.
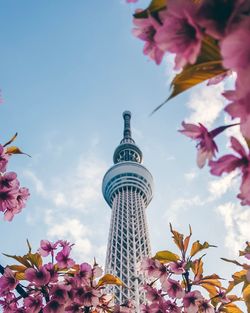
(127, 188)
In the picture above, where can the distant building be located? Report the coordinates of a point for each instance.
(128, 188)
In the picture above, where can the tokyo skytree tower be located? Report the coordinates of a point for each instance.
(128, 188)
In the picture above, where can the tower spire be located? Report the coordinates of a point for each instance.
(127, 129)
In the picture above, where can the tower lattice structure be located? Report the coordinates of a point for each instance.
(128, 189)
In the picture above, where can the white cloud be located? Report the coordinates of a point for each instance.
(191, 175)
(180, 205)
(220, 186)
(236, 221)
(206, 104)
(169, 67)
(37, 183)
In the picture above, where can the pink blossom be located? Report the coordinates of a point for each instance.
(159, 307)
(144, 308)
(3, 159)
(9, 181)
(53, 307)
(235, 49)
(173, 288)
(172, 307)
(8, 280)
(152, 294)
(73, 308)
(10, 212)
(205, 307)
(39, 277)
(9, 303)
(177, 267)
(62, 257)
(180, 34)
(213, 16)
(85, 272)
(151, 267)
(59, 292)
(87, 296)
(206, 145)
(8, 199)
(46, 247)
(230, 162)
(191, 301)
(22, 196)
(239, 108)
(53, 273)
(33, 304)
(146, 29)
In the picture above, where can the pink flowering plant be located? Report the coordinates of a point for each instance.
(210, 41)
(50, 281)
(177, 283)
(12, 197)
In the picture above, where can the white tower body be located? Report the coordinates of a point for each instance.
(127, 188)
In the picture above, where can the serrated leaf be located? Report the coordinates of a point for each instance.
(210, 289)
(197, 268)
(207, 66)
(21, 259)
(238, 277)
(20, 276)
(178, 239)
(187, 239)
(197, 247)
(15, 150)
(35, 259)
(231, 308)
(109, 279)
(10, 141)
(154, 7)
(231, 261)
(17, 268)
(166, 256)
(29, 246)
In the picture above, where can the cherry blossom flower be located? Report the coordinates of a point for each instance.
(214, 15)
(159, 307)
(8, 280)
(9, 181)
(46, 248)
(206, 145)
(7, 199)
(9, 303)
(39, 277)
(230, 162)
(85, 272)
(4, 158)
(152, 268)
(59, 292)
(180, 34)
(53, 306)
(152, 294)
(33, 304)
(172, 307)
(73, 308)
(234, 48)
(191, 301)
(205, 307)
(177, 267)
(62, 257)
(146, 29)
(239, 108)
(173, 288)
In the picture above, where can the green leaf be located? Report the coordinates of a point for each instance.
(208, 65)
(166, 256)
(109, 279)
(155, 6)
(21, 259)
(15, 150)
(197, 247)
(11, 140)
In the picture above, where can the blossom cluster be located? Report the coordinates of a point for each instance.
(213, 37)
(57, 286)
(176, 284)
(12, 196)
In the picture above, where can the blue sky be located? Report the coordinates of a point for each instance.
(68, 71)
